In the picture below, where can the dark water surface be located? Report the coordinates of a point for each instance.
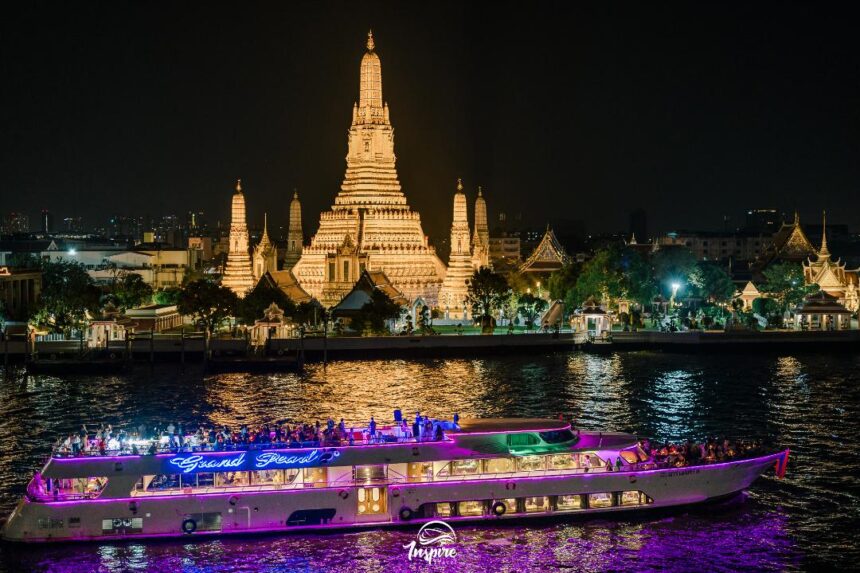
(810, 403)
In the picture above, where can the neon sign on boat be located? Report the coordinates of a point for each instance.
(190, 464)
(238, 462)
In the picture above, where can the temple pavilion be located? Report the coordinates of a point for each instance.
(831, 276)
(548, 256)
(370, 226)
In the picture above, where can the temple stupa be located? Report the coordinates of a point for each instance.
(295, 238)
(237, 276)
(452, 296)
(481, 235)
(370, 215)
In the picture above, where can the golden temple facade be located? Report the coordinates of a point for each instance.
(370, 226)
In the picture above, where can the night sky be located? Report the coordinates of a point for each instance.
(692, 111)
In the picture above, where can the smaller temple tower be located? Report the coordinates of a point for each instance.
(481, 234)
(452, 296)
(265, 254)
(238, 276)
(295, 237)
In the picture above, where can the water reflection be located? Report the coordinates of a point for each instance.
(808, 403)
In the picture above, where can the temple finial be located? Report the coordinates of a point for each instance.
(479, 191)
(459, 184)
(295, 193)
(370, 43)
(824, 250)
(238, 185)
(796, 218)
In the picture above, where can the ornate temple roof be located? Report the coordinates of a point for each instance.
(548, 256)
(821, 303)
(361, 292)
(288, 284)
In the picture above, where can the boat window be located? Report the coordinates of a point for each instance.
(631, 498)
(371, 500)
(267, 477)
(122, 525)
(231, 479)
(48, 523)
(162, 482)
(443, 509)
(516, 440)
(535, 504)
(76, 487)
(498, 465)
(562, 462)
(465, 467)
(205, 479)
(315, 475)
(419, 471)
(598, 500)
(531, 463)
(556, 436)
(470, 508)
(210, 521)
(568, 502)
(630, 456)
(370, 473)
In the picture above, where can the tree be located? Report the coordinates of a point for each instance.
(169, 295)
(712, 282)
(563, 281)
(638, 278)
(68, 294)
(784, 283)
(600, 278)
(673, 265)
(530, 306)
(375, 313)
(208, 303)
(258, 300)
(129, 290)
(487, 293)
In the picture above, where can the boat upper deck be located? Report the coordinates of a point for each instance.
(110, 442)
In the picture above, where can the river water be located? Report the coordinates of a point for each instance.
(807, 402)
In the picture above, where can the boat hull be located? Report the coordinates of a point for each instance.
(332, 508)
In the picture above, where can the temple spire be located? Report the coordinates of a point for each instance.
(370, 92)
(370, 43)
(238, 185)
(824, 252)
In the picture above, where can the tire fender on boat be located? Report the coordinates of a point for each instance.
(406, 513)
(632, 479)
(189, 526)
(133, 506)
(233, 500)
(510, 485)
(343, 494)
(499, 509)
(395, 492)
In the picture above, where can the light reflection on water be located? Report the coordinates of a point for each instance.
(809, 403)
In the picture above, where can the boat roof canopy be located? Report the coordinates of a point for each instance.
(475, 425)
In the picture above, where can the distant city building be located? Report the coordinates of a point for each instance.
(203, 245)
(16, 223)
(47, 220)
(237, 275)
(719, 246)
(370, 222)
(505, 250)
(73, 224)
(767, 221)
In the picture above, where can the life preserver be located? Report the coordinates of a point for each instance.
(189, 526)
(233, 500)
(406, 513)
(280, 351)
(113, 355)
(510, 485)
(632, 479)
(499, 508)
(133, 506)
(343, 494)
(395, 492)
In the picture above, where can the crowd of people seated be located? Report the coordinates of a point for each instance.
(712, 450)
(175, 438)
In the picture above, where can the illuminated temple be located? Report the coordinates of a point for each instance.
(238, 276)
(370, 226)
(831, 276)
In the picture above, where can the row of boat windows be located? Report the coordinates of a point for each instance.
(541, 504)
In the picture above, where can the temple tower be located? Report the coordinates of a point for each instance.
(237, 275)
(452, 296)
(265, 254)
(295, 237)
(481, 234)
(371, 210)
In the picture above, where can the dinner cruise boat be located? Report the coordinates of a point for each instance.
(475, 470)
